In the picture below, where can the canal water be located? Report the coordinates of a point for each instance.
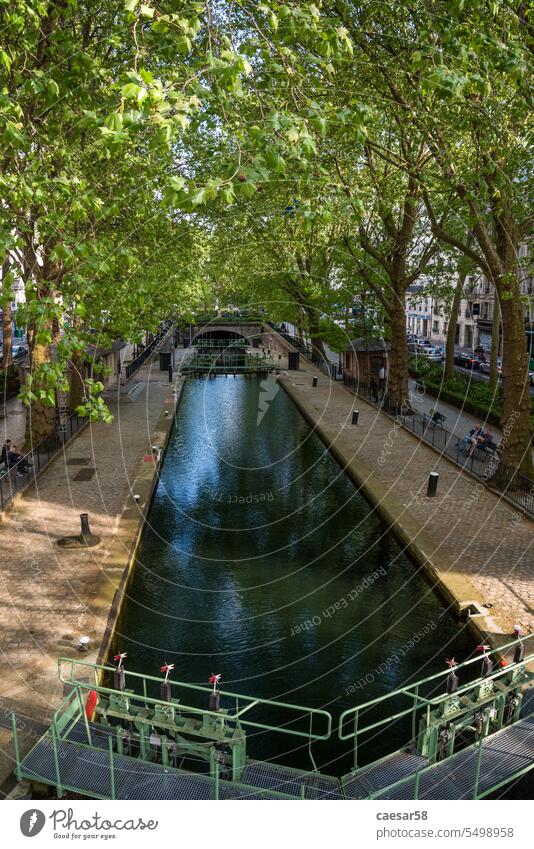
(261, 561)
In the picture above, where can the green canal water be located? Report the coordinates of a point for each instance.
(261, 561)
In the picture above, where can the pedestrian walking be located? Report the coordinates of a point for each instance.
(382, 379)
(373, 386)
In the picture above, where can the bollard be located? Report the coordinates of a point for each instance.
(314, 381)
(85, 529)
(170, 374)
(432, 484)
(165, 691)
(355, 415)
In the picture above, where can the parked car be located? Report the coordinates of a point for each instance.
(19, 352)
(428, 352)
(466, 361)
(485, 368)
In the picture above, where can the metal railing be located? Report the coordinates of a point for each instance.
(136, 364)
(18, 475)
(239, 704)
(482, 463)
(331, 370)
(427, 694)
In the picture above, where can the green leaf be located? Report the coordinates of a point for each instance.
(146, 11)
(130, 5)
(130, 91)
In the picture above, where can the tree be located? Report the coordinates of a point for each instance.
(461, 79)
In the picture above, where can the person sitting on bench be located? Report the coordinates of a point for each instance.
(483, 439)
(12, 458)
(474, 433)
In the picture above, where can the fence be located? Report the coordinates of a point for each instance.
(331, 370)
(17, 476)
(484, 465)
(136, 364)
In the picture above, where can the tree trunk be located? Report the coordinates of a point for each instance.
(318, 352)
(41, 418)
(7, 325)
(6, 317)
(495, 342)
(76, 384)
(398, 360)
(516, 448)
(448, 372)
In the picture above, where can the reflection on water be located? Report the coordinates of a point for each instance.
(262, 561)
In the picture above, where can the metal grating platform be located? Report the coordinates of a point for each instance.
(86, 769)
(503, 755)
(369, 779)
(284, 780)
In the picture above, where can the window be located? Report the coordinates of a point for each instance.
(435, 327)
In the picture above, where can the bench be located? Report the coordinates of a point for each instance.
(490, 448)
(434, 418)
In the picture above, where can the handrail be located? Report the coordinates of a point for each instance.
(423, 770)
(101, 669)
(136, 364)
(407, 691)
(33, 461)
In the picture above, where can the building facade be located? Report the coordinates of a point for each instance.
(428, 317)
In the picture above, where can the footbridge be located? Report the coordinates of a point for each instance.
(123, 735)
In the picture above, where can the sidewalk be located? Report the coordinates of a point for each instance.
(473, 545)
(457, 420)
(50, 597)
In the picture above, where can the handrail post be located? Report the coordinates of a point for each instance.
(59, 788)
(16, 746)
(477, 769)
(111, 767)
(416, 785)
(216, 785)
(302, 791)
(415, 694)
(85, 719)
(356, 739)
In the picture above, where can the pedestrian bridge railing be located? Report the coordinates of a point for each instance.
(485, 700)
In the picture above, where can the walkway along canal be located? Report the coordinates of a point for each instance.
(261, 561)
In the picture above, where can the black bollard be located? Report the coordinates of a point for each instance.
(355, 416)
(165, 691)
(85, 529)
(170, 374)
(432, 484)
(215, 699)
(314, 381)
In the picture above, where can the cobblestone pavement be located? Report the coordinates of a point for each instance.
(478, 543)
(48, 597)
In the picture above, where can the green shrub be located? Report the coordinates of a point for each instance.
(473, 396)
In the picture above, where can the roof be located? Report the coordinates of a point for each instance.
(369, 345)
